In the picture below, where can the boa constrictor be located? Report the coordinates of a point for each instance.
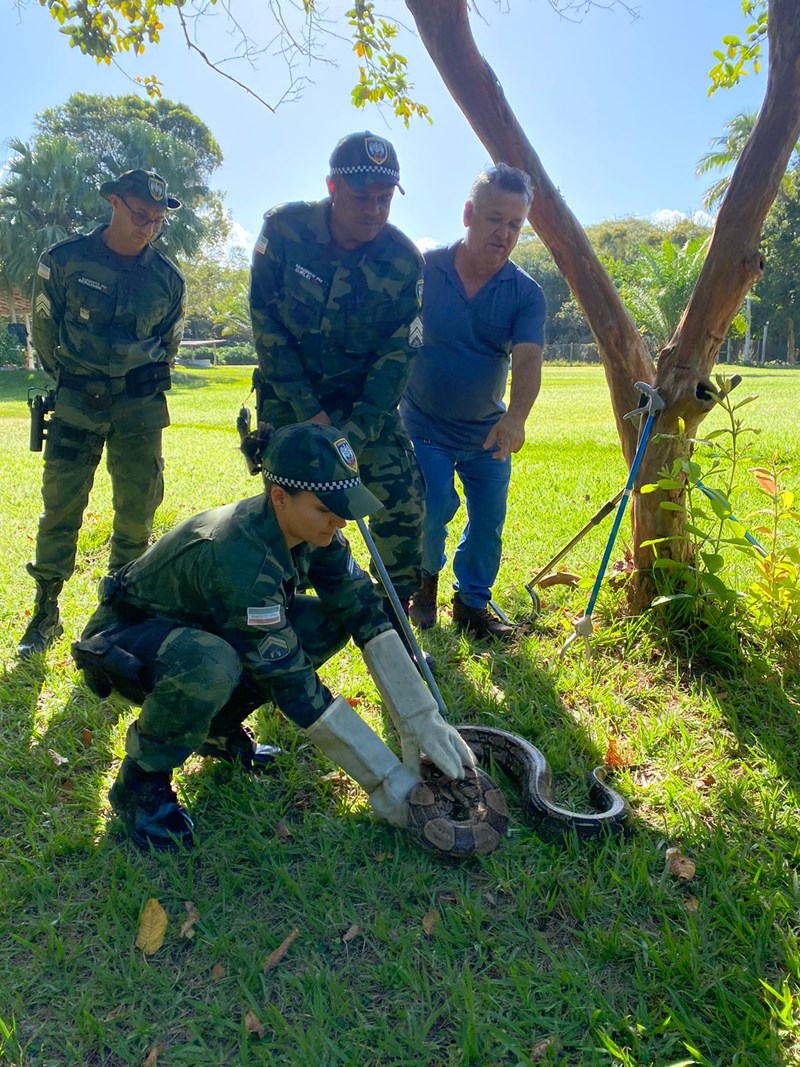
(461, 819)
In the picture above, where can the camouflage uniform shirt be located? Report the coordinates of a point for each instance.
(334, 330)
(101, 315)
(228, 571)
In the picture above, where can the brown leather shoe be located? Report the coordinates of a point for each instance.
(479, 622)
(422, 609)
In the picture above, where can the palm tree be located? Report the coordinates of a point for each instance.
(725, 153)
(49, 188)
(662, 282)
(49, 192)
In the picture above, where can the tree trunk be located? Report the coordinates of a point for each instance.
(791, 351)
(731, 267)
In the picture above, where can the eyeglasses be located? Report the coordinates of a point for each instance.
(140, 219)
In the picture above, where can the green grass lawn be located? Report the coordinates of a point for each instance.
(555, 952)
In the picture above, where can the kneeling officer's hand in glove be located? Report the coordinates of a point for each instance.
(413, 709)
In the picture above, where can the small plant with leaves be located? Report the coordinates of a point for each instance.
(710, 521)
(773, 599)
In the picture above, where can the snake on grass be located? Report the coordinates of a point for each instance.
(461, 819)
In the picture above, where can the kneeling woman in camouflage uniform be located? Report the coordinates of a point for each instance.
(210, 623)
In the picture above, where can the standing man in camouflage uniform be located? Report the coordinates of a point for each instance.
(108, 314)
(207, 625)
(335, 299)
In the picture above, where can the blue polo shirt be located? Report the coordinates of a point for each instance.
(458, 378)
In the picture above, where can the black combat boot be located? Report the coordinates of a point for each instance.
(44, 627)
(239, 746)
(422, 609)
(149, 807)
(480, 622)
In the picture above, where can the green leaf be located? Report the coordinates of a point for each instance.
(673, 596)
(715, 585)
(713, 561)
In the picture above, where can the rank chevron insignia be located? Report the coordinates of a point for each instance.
(415, 332)
(42, 305)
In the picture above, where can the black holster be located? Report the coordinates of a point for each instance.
(121, 658)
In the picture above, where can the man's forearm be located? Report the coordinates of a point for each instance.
(526, 382)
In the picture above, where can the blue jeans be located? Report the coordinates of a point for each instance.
(485, 483)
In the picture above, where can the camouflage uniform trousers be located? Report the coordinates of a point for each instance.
(197, 689)
(71, 456)
(389, 469)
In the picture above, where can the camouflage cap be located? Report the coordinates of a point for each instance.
(145, 185)
(364, 159)
(321, 460)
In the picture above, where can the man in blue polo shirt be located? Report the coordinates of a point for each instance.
(482, 316)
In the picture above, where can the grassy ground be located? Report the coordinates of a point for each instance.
(562, 952)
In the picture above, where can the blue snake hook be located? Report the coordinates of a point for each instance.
(652, 406)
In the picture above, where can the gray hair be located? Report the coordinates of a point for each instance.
(508, 179)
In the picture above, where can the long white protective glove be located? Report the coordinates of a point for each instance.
(413, 709)
(344, 737)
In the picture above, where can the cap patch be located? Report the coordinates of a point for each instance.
(157, 187)
(346, 454)
(377, 150)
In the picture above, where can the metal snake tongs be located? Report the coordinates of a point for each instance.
(651, 405)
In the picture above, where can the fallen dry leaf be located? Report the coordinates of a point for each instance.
(540, 1050)
(558, 578)
(253, 1024)
(218, 972)
(354, 931)
(691, 904)
(86, 738)
(278, 953)
(152, 927)
(617, 754)
(56, 758)
(192, 916)
(353, 701)
(429, 921)
(151, 1060)
(335, 776)
(678, 865)
(115, 1014)
(383, 856)
(282, 830)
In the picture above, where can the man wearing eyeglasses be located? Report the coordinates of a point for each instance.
(108, 310)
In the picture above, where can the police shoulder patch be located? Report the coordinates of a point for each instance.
(420, 287)
(43, 270)
(346, 454)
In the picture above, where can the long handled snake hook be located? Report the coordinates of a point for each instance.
(652, 406)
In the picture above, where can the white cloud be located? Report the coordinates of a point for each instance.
(666, 217)
(241, 238)
(425, 244)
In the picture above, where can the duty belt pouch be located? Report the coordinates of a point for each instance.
(120, 658)
(148, 379)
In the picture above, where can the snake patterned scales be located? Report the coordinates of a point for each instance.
(461, 819)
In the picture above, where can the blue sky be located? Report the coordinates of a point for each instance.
(617, 109)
